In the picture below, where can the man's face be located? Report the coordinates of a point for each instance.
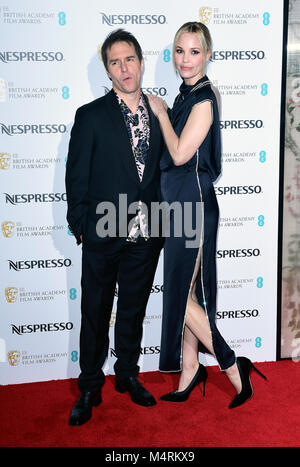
(124, 68)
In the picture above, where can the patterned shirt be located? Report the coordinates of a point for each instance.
(138, 128)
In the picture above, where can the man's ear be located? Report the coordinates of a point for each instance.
(108, 74)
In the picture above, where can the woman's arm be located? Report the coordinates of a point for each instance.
(193, 134)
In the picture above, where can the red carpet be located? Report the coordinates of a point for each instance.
(36, 414)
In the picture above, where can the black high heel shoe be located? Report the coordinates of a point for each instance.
(182, 396)
(244, 366)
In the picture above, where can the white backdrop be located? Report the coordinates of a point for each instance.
(49, 66)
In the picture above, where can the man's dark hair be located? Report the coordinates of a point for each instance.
(120, 35)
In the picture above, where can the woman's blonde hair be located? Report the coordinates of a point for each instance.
(202, 33)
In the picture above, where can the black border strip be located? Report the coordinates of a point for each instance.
(281, 176)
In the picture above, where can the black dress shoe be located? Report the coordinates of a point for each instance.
(139, 395)
(182, 396)
(244, 366)
(82, 410)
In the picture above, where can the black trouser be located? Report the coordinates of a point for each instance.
(132, 266)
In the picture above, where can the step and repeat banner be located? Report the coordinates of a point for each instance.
(49, 66)
(290, 304)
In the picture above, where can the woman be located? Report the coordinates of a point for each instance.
(190, 164)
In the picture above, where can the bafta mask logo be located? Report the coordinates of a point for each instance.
(112, 319)
(2, 90)
(205, 13)
(14, 357)
(11, 294)
(4, 160)
(8, 228)
(99, 52)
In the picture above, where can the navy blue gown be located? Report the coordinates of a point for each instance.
(191, 182)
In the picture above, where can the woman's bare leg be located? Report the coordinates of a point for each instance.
(189, 358)
(197, 328)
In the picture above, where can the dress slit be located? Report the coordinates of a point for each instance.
(191, 272)
(198, 269)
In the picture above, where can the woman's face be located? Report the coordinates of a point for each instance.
(189, 58)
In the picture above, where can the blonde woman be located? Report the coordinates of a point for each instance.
(190, 163)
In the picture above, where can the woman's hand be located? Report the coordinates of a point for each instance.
(157, 104)
(195, 130)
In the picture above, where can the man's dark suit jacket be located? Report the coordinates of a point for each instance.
(101, 165)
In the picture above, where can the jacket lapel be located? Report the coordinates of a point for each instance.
(153, 151)
(124, 145)
(121, 136)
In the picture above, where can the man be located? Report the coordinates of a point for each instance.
(114, 150)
